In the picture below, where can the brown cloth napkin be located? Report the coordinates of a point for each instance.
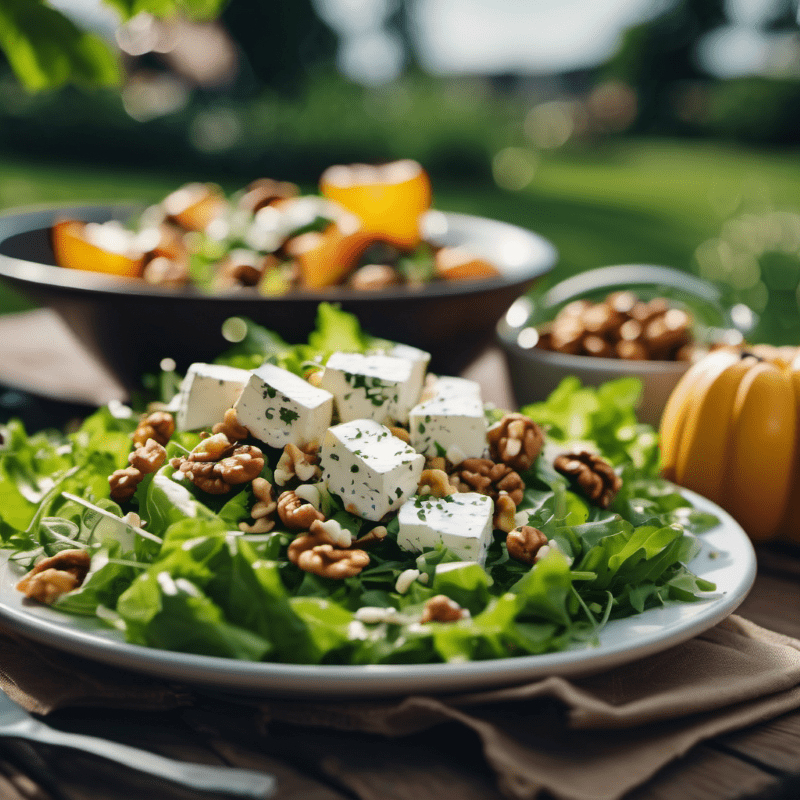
(593, 738)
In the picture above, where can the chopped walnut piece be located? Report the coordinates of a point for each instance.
(593, 474)
(145, 459)
(441, 608)
(214, 466)
(438, 462)
(328, 562)
(322, 551)
(230, 426)
(434, 483)
(295, 513)
(148, 457)
(516, 440)
(523, 543)
(123, 483)
(159, 426)
(401, 433)
(262, 509)
(372, 277)
(487, 477)
(295, 462)
(505, 510)
(376, 534)
(55, 576)
(162, 270)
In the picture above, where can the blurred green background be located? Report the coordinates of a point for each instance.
(675, 142)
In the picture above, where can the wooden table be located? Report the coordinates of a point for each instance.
(319, 764)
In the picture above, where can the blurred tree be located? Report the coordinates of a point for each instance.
(280, 41)
(782, 16)
(46, 49)
(659, 55)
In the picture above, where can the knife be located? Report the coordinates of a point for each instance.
(16, 723)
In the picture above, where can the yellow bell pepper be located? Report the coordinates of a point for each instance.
(324, 258)
(731, 432)
(72, 249)
(389, 199)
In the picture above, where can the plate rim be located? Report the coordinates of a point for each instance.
(347, 681)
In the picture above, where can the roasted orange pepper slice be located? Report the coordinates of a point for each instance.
(194, 206)
(73, 250)
(388, 199)
(458, 264)
(325, 258)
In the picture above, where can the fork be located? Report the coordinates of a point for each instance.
(16, 723)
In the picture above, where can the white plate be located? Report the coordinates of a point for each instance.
(727, 558)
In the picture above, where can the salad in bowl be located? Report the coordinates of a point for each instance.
(336, 503)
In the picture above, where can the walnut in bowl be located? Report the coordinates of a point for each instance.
(642, 321)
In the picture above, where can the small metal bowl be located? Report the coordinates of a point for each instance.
(536, 372)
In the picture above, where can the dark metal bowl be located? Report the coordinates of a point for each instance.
(131, 326)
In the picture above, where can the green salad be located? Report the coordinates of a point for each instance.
(179, 568)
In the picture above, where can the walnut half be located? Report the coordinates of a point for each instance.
(594, 476)
(326, 552)
(487, 477)
(516, 440)
(524, 543)
(216, 465)
(55, 576)
(442, 609)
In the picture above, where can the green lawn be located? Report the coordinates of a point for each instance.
(620, 202)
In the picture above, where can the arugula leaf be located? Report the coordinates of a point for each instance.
(175, 614)
(603, 416)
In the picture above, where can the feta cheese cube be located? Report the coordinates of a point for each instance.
(449, 424)
(419, 366)
(447, 386)
(279, 407)
(461, 522)
(374, 386)
(369, 469)
(206, 393)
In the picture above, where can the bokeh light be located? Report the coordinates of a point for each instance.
(513, 168)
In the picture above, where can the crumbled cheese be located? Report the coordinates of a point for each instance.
(405, 579)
